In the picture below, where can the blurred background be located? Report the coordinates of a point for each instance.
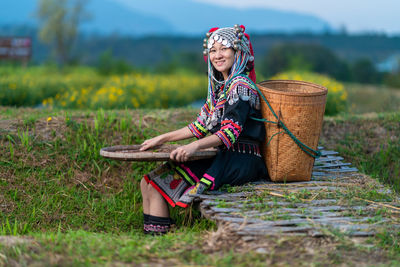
(148, 54)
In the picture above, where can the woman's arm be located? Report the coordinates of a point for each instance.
(176, 135)
(183, 153)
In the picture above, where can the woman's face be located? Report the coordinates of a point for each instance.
(222, 58)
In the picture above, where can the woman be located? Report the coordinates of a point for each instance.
(232, 99)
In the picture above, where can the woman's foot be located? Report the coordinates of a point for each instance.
(157, 225)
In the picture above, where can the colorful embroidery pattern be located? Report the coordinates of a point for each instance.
(187, 174)
(229, 132)
(155, 228)
(169, 180)
(208, 180)
(198, 128)
(227, 116)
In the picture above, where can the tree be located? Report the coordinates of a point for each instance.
(107, 65)
(363, 71)
(304, 57)
(59, 21)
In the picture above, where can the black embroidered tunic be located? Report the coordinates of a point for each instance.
(238, 160)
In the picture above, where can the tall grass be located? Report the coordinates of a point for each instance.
(53, 176)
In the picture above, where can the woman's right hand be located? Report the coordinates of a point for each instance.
(149, 143)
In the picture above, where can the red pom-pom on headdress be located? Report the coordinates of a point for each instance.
(252, 74)
(213, 29)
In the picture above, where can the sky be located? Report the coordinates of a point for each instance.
(355, 15)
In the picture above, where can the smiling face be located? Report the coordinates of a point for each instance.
(222, 58)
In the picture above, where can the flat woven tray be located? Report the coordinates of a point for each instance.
(161, 153)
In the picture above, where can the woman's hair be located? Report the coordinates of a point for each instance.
(243, 62)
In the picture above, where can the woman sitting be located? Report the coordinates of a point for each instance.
(224, 122)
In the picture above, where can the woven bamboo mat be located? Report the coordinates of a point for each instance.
(337, 199)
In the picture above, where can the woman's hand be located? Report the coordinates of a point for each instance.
(177, 135)
(182, 153)
(149, 143)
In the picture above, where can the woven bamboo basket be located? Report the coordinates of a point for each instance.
(300, 106)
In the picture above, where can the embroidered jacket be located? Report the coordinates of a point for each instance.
(230, 118)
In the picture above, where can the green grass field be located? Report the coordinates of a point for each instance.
(61, 204)
(67, 206)
(371, 98)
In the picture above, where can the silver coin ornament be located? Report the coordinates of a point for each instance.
(210, 43)
(224, 42)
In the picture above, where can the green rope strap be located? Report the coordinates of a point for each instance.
(311, 152)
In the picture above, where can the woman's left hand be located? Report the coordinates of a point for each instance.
(182, 153)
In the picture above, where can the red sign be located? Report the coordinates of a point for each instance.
(17, 48)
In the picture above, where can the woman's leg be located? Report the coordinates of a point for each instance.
(156, 203)
(145, 196)
(153, 202)
(155, 211)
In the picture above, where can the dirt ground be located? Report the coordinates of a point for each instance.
(299, 250)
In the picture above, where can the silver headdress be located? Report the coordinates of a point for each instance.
(229, 37)
(244, 59)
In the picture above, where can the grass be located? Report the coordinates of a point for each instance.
(53, 176)
(56, 188)
(371, 98)
(75, 208)
(371, 142)
(82, 248)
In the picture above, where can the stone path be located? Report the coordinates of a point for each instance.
(337, 199)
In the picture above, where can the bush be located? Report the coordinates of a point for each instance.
(108, 65)
(83, 87)
(363, 71)
(337, 95)
(392, 80)
(28, 87)
(134, 91)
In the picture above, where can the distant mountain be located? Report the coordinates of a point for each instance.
(192, 18)
(169, 17)
(107, 17)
